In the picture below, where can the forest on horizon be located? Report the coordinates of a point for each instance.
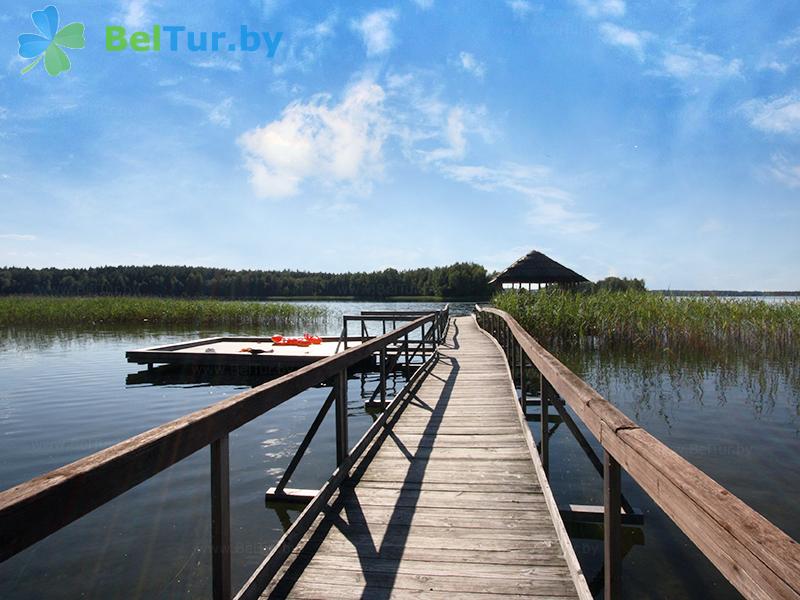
(459, 280)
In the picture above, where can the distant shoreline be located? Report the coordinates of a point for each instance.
(723, 293)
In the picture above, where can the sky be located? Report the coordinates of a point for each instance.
(654, 139)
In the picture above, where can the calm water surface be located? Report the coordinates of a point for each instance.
(64, 395)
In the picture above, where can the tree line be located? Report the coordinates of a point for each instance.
(459, 280)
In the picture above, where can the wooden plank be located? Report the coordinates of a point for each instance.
(612, 528)
(336, 591)
(539, 553)
(454, 584)
(401, 564)
(589, 513)
(447, 440)
(290, 495)
(455, 500)
(490, 518)
(521, 487)
(220, 520)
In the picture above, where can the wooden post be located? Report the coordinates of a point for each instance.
(612, 528)
(405, 342)
(547, 392)
(342, 447)
(523, 393)
(220, 520)
(383, 374)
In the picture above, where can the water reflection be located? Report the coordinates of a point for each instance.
(663, 380)
(733, 414)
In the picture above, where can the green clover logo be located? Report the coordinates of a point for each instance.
(48, 45)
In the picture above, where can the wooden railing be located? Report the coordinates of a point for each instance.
(759, 559)
(35, 509)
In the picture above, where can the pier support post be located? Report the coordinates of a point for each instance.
(342, 447)
(523, 392)
(383, 374)
(548, 394)
(220, 520)
(612, 528)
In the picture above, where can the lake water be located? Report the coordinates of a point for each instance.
(66, 394)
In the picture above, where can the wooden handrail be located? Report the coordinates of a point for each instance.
(33, 510)
(759, 559)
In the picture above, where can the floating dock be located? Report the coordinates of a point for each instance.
(228, 351)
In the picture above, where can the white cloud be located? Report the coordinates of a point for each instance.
(306, 45)
(216, 113)
(453, 133)
(376, 30)
(792, 39)
(686, 62)
(625, 38)
(784, 172)
(777, 115)
(468, 63)
(424, 4)
(318, 139)
(221, 113)
(429, 128)
(219, 63)
(549, 206)
(17, 237)
(773, 65)
(520, 8)
(270, 6)
(333, 210)
(134, 13)
(602, 8)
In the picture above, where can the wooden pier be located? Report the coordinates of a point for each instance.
(449, 500)
(446, 495)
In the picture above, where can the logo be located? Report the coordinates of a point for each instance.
(49, 44)
(177, 37)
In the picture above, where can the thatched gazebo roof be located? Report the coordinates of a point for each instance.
(536, 267)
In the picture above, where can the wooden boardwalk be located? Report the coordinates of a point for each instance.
(450, 501)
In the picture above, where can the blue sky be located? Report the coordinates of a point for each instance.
(648, 139)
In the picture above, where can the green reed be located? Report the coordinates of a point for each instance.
(648, 319)
(59, 311)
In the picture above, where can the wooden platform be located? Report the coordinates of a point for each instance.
(450, 501)
(227, 351)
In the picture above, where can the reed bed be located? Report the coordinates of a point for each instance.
(647, 319)
(61, 311)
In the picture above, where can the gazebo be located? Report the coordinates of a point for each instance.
(537, 268)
